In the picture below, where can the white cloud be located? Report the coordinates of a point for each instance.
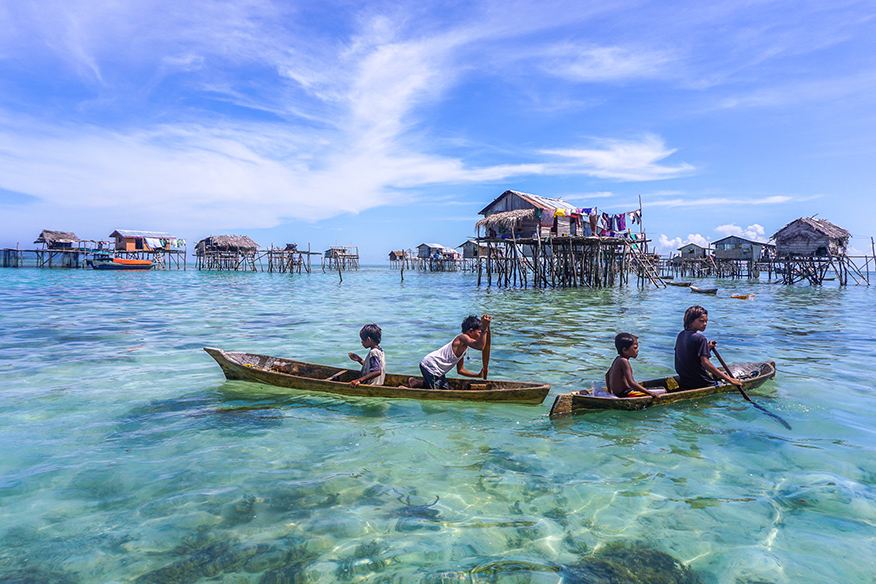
(666, 246)
(753, 232)
(590, 63)
(624, 160)
(697, 201)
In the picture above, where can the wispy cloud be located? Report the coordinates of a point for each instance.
(695, 201)
(630, 160)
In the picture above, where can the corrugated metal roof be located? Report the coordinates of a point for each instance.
(537, 201)
(130, 233)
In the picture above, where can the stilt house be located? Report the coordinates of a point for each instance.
(429, 250)
(693, 251)
(734, 247)
(471, 250)
(57, 240)
(127, 240)
(811, 237)
(226, 243)
(527, 216)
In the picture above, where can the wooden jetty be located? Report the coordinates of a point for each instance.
(546, 242)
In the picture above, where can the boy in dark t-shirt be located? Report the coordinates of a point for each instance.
(692, 350)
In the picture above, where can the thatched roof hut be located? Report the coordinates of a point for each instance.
(238, 243)
(57, 239)
(808, 236)
(520, 213)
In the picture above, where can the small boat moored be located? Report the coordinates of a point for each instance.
(120, 264)
(699, 290)
(299, 375)
(751, 375)
(680, 284)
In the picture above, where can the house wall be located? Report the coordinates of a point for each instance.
(809, 244)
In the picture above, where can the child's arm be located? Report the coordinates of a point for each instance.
(710, 367)
(462, 371)
(355, 358)
(364, 379)
(631, 383)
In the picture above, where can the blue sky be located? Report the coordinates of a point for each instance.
(388, 124)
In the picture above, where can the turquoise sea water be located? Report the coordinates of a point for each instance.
(127, 457)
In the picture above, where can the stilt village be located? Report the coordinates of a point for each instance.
(522, 240)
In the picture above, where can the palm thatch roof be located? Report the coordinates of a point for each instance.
(228, 242)
(49, 237)
(508, 220)
(807, 227)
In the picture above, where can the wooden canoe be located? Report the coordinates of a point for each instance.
(703, 290)
(121, 264)
(336, 380)
(681, 284)
(752, 375)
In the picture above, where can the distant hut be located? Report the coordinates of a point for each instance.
(812, 238)
(226, 243)
(57, 239)
(397, 256)
(431, 250)
(128, 240)
(693, 251)
(525, 215)
(472, 250)
(734, 247)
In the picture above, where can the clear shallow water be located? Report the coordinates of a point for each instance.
(126, 456)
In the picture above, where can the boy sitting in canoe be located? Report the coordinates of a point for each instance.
(374, 363)
(619, 377)
(692, 351)
(436, 364)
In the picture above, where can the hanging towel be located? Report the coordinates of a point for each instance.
(547, 217)
(587, 210)
(560, 213)
(593, 227)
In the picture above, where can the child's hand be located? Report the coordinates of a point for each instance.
(354, 383)
(355, 357)
(485, 322)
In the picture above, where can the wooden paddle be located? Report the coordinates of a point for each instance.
(486, 352)
(745, 395)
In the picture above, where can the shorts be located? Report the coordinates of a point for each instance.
(430, 381)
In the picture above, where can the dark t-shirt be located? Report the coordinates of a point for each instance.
(689, 347)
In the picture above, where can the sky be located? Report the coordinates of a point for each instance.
(384, 125)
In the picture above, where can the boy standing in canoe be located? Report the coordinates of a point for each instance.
(619, 377)
(374, 363)
(437, 364)
(692, 351)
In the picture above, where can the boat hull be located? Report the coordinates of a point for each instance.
(703, 290)
(752, 375)
(121, 264)
(311, 377)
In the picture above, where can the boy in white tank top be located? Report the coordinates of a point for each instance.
(437, 364)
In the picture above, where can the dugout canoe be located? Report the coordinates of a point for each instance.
(679, 284)
(751, 375)
(699, 290)
(336, 380)
(121, 264)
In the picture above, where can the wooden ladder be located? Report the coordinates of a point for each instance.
(645, 266)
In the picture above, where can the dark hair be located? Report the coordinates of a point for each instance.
(370, 331)
(624, 341)
(471, 322)
(693, 313)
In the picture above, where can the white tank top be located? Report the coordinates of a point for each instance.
(441, 361)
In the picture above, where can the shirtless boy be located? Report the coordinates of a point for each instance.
(619, 377)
